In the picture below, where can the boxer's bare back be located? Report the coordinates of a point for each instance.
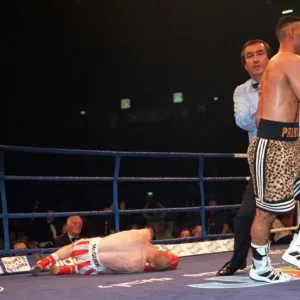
(126, 251)
(279, 95)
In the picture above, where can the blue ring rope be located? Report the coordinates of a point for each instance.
(5, 216)
(119, 153)
(121, 212)
(121, 179)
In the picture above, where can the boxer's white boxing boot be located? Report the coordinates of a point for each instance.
(292, 254)
(262, 269)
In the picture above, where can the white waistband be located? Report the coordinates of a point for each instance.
(93, 253)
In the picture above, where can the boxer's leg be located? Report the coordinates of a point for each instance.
(273, 175)
(292, 254)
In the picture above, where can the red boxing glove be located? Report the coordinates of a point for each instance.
(148, 267)
(173, 260)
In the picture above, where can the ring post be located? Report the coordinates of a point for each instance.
(4, 204)
(115, 194)
(201, 186)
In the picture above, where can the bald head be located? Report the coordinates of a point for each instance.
(74, 225)
(74, 219)
(286, 27)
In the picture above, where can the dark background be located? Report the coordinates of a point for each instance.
(61, 57)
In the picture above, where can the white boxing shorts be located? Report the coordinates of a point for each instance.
(85, 251)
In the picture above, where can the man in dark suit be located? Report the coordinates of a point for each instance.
(74, 227)
(45, 230)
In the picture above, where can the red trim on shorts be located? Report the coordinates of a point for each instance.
(83, 264)
(89, 272)
(82, 243)
(79, 252)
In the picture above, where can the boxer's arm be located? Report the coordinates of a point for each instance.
(148, 267)
(173, 262)
(155, 247)
(258, 114)
(293, 74)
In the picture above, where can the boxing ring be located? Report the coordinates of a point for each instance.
(198, 263)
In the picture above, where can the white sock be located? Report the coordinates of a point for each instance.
(261, 249)
(260, 255)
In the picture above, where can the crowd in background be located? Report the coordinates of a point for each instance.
(59, 231)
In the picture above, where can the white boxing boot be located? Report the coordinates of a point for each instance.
(292, 254)
(262, 269)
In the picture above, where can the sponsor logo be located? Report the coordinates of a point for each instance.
(130, 284)
(200, 274)
(66, 262)
(278, 252)
(292, 271)
(214, 272)
(291, 132)
(230, 282)
(15, 264)
(95, 256)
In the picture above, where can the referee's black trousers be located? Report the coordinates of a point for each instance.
(243, 222)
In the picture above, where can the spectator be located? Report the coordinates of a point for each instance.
(74, 227)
